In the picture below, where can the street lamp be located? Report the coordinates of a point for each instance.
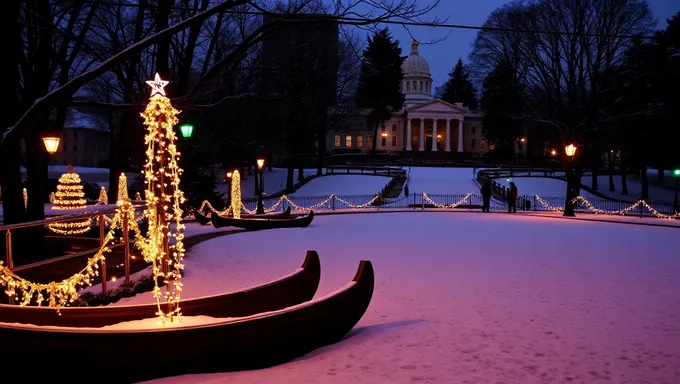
(676, 206)
(187, 130)
(570, 151)
(229, 174)
(51, 144)
(553, 152)
(260, 204)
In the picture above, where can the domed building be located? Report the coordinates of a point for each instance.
(423, 124)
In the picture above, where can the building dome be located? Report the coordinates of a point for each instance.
(415, 65)
(417, 84)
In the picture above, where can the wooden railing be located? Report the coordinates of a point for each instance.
(360, 170)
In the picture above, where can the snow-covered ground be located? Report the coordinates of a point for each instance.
(274, 181)
(343, 185)
(433, 180)
(470, 298)
(656, 193)
(543, 187)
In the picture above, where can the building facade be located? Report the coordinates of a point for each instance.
(424, 124)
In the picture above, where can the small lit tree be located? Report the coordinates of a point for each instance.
(70, 195)
(122, 187)
(236, 194)
(103, 196)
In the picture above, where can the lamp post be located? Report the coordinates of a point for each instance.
(229, 174)
(260, 205)
(570, 152)
(676, 205)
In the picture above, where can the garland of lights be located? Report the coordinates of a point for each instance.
(236, 202)
(59, 294)
(52, 197)
(70, 195)
(163, 198)
(25, 193)
(103, 196)
(122, 187)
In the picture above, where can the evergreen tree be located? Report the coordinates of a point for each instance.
(379, 87)
(502, 105)
(458, 88)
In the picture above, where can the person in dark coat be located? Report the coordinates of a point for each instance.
(512, 198)
(486, 196)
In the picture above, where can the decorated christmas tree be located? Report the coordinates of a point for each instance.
(70, 195)
(163, 198)
(236, 194)
(103, 196)
(122, 187)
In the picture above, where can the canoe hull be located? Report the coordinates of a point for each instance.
(254, 342)
(257, 224)
(205, 220)
(293, 289)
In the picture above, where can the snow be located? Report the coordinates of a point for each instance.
(343, 185)
(656, 193)
(274, 181)
(432, 180)
(544, 187)
(468, 297)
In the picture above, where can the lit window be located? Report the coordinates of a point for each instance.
(348, 141)
(337, 140)
(360, 141)
(394, 141)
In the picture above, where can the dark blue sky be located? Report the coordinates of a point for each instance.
(443, 55)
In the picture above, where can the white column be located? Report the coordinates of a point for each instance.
(434, 135)
(460, 135)
(421, 144)
(409, 135)
(448, 135)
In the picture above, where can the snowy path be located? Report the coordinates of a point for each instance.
(433, 180)
(471, 298)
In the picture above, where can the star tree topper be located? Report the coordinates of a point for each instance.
(157, 85)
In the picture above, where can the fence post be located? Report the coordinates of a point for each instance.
(534, 203)
(8, 254)
(422, 202)
(641, 209)
(333, 203)
(126, 248)
(414, 201)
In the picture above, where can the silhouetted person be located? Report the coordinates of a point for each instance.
(486, 196)
(512, 198)
(406, 190)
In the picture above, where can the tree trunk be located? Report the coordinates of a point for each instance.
(375, 140)
(10, 182)
(610, 165)
(290, 176)
(645, 182)
(36, 171)
(320, 152)
(594, 184)
(301, 172)
(624, 180)
(660, 175)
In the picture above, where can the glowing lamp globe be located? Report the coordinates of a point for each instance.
(570, 150)
(260, 163)
(187, 130)
(508, 179)
(384, 134)
(51, 144)
(522, 140)
(553, 152)
(676, 173)
(439, 136)
(229, 174)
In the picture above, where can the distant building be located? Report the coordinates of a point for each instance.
(83, 143)
(424, 124)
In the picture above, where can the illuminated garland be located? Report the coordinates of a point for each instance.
(163, 198)
(25, 193)
(236, 202)
(454, 205)
(69, 195)
(122, 187)
(52, 197)
(59, 294)
(103, 196)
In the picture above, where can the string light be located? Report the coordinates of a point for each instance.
(52, 197)
(59, 294)
(163, 199)
(70, 195)
(103, 196)
(122, 187)
(454, 205)
(25, 193)
(236, 203)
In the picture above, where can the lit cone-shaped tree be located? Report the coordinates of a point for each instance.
(70, 195)
(236, 194)
(163, 198)
(103, 196)
(122, 187)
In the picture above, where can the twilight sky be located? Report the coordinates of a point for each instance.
(443, 55)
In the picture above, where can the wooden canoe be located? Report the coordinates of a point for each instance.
(253, 342)
(298, 287)
(256, 224)
(204, 220)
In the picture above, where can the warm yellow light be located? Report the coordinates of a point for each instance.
(553, 152)
(229, 174)
(260, 163)
(521, 140)
(570, 150)
(236, 195)
(51, 144)
(384, 134)
(113, 278)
